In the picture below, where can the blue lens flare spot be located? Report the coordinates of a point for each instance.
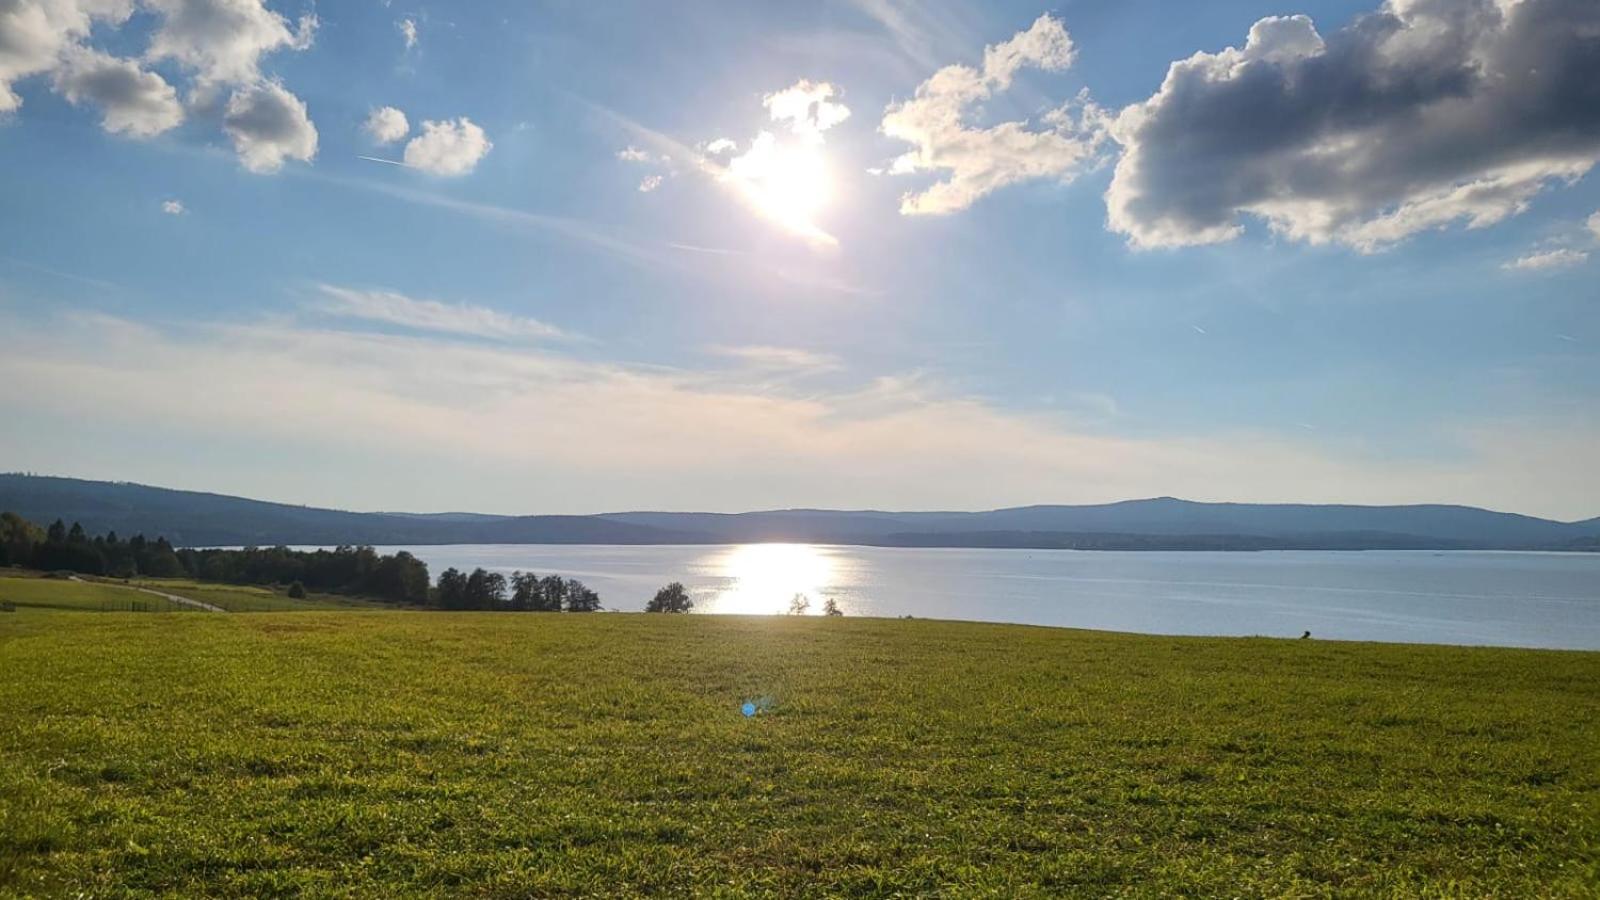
(749, 709)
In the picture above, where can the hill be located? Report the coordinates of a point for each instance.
(401, 754)
(201, 519)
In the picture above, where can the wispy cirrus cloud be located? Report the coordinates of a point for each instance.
(785, 359)
(1546, 260)
(675, 438)
(393, 308)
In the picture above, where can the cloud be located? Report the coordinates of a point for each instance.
(35, 36)
(1546, 260)
(394, 308)
(133, 102)
(780, 359)
(268, 125)
(647, 436)
(1594, 225)
(785, 178)
(1418, 116)
(223, 40)
(807, 106)
(633, 154)
(977, 161)
(218, 42)
(448, 148)
(173, 207)
(649, 183)
(408, 32)
(387, 125)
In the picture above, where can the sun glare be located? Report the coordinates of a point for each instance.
(762, 578)
(788, 182)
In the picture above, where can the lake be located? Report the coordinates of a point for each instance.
(1461, 597)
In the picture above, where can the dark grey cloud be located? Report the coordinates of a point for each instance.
(1422, 114)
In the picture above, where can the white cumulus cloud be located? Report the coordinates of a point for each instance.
(173, 207)
(976, 161)
(633, 154)
(387, 125)
(806, 106)
(448, 147)
(408, 32)
(649, 183)
(1419, 115)
(223, 40)
(132, 101)
(216, 44)
(268, 125)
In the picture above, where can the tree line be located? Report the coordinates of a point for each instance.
(398, 578)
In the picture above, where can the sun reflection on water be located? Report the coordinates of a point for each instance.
(760, 579)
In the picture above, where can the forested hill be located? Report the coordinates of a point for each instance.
(190, 518)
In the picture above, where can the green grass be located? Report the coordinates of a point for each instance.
(34, 592)
(244, 598)
(548, 755)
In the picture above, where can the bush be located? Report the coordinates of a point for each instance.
(297, 591)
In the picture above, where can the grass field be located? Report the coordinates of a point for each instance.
(33, 590)
(243, 598)
(470, 754)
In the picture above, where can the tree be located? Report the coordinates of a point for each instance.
(57, 533)
(524, 591)
(670, 599)
(402, 578)
(552, 594)
(297, 591)
(830, 607)
(18, 540)
(485, 590)
(452, 590)
(580, 598)
(800, 605)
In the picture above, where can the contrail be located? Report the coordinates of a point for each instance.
(388, 162)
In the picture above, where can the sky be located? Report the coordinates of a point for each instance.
(569, 257)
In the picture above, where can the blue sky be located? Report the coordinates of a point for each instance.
(1058, 273)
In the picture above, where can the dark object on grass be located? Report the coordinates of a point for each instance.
(7, 606)
(1305, 636)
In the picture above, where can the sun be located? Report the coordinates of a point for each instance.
(789, 182)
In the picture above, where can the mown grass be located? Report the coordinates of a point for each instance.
(244, 598)
(547, 755)
(30, 591)
(39, 591)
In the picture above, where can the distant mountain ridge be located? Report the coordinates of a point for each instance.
(195, 518)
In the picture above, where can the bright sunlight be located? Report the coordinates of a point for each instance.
(763, 578)
(788, 182)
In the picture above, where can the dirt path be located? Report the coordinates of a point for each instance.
(197, 604)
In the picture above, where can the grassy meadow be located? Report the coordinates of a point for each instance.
(33, 590)
(507, 755)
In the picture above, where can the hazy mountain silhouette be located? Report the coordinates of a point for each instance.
(194, 518)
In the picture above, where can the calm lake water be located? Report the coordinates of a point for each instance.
(1509, 599)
